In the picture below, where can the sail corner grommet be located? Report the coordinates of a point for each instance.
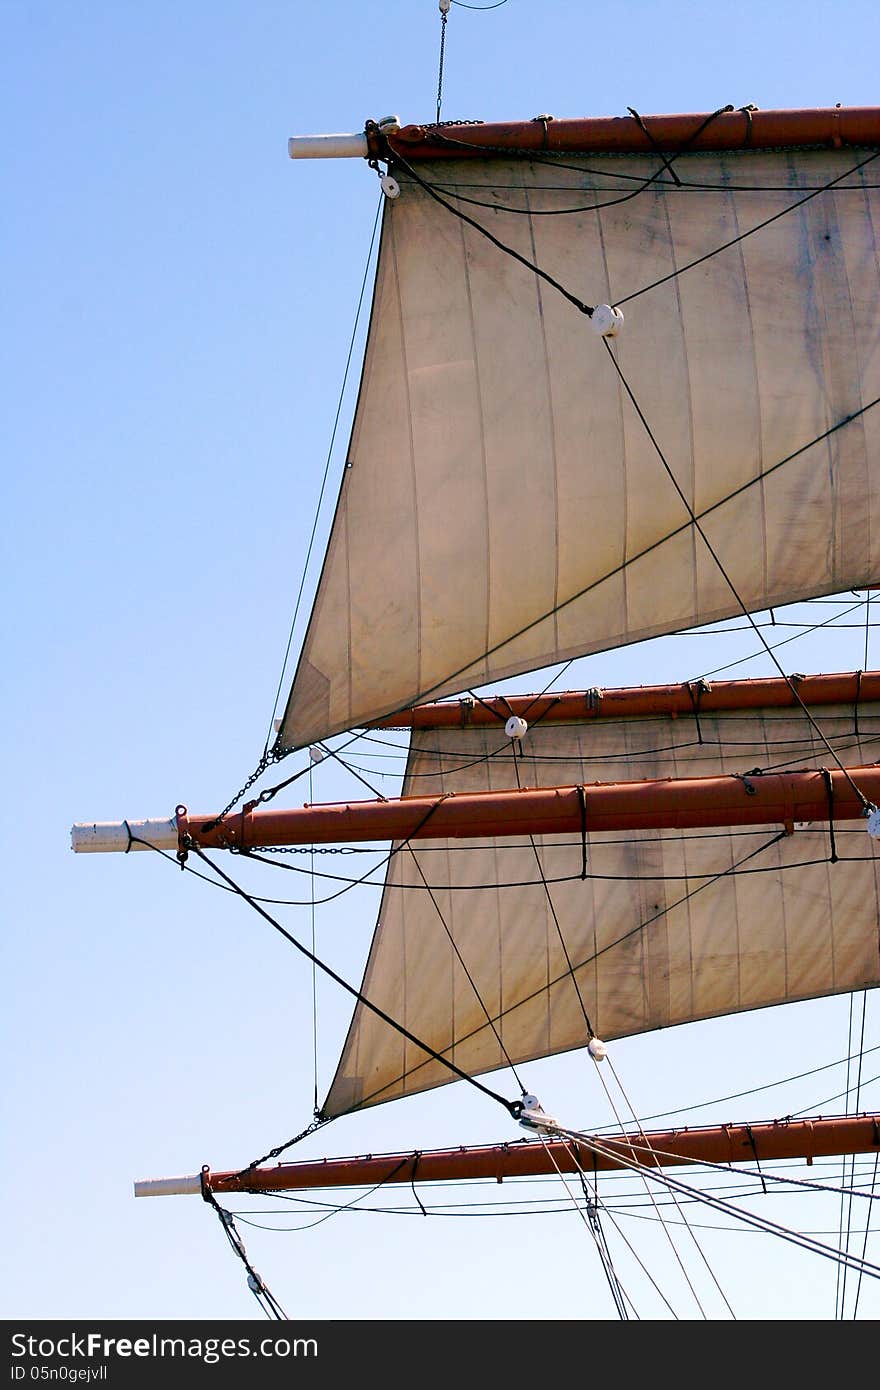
(606, 321)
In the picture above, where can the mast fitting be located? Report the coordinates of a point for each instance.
(533, 1116)
(606, 321)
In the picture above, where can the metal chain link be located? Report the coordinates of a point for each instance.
(308, 849)
(317, 1123)
(257, 773)
(443, 18)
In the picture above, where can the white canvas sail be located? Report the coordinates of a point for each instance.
(487, 963)
(503, 506)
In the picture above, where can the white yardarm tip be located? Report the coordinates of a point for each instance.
(515, 727)
(597, 1049)
(168, 1187)
(327, 146)
(607, 322)
(105, 837)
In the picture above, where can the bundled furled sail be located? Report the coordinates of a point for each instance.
(501, 951)
(504, 505)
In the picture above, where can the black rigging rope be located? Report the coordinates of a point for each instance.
(761, 1223)
(866, 805)
(673, 275)
(270, 1305)
(513, 1108)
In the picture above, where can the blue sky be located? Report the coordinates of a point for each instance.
(178, 301)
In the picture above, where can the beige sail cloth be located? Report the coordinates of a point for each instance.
(667, 927)
(503, 507)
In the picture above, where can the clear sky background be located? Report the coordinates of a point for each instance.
(178, 301)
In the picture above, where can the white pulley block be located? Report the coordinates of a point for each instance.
(607, 322)
(533, 1115)
(515, 727)
(597, 1049)
(872, 824)
(390, 186)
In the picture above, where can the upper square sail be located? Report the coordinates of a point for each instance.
(502, 505)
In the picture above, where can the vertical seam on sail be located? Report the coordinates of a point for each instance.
(815, 300)
(830, 205)
(695, 540)
(412, 463)
(595, 1012)
(621, 417)
(486, 644)
(548, 383)
(744, 276)
(447, 922)
(548, 909)
(869, 215)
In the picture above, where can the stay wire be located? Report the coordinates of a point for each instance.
(865, 1241)
(582, 1175)
(589, 1216)
(753, 1091)
(782, 1180)
(312, 883)
(851, 1166)
(646, 1140)
(761, 1223)
(839, 1296)
(336, 419)
(650, 1192)
(827, 623)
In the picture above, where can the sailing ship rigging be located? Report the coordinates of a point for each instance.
(621, 382)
